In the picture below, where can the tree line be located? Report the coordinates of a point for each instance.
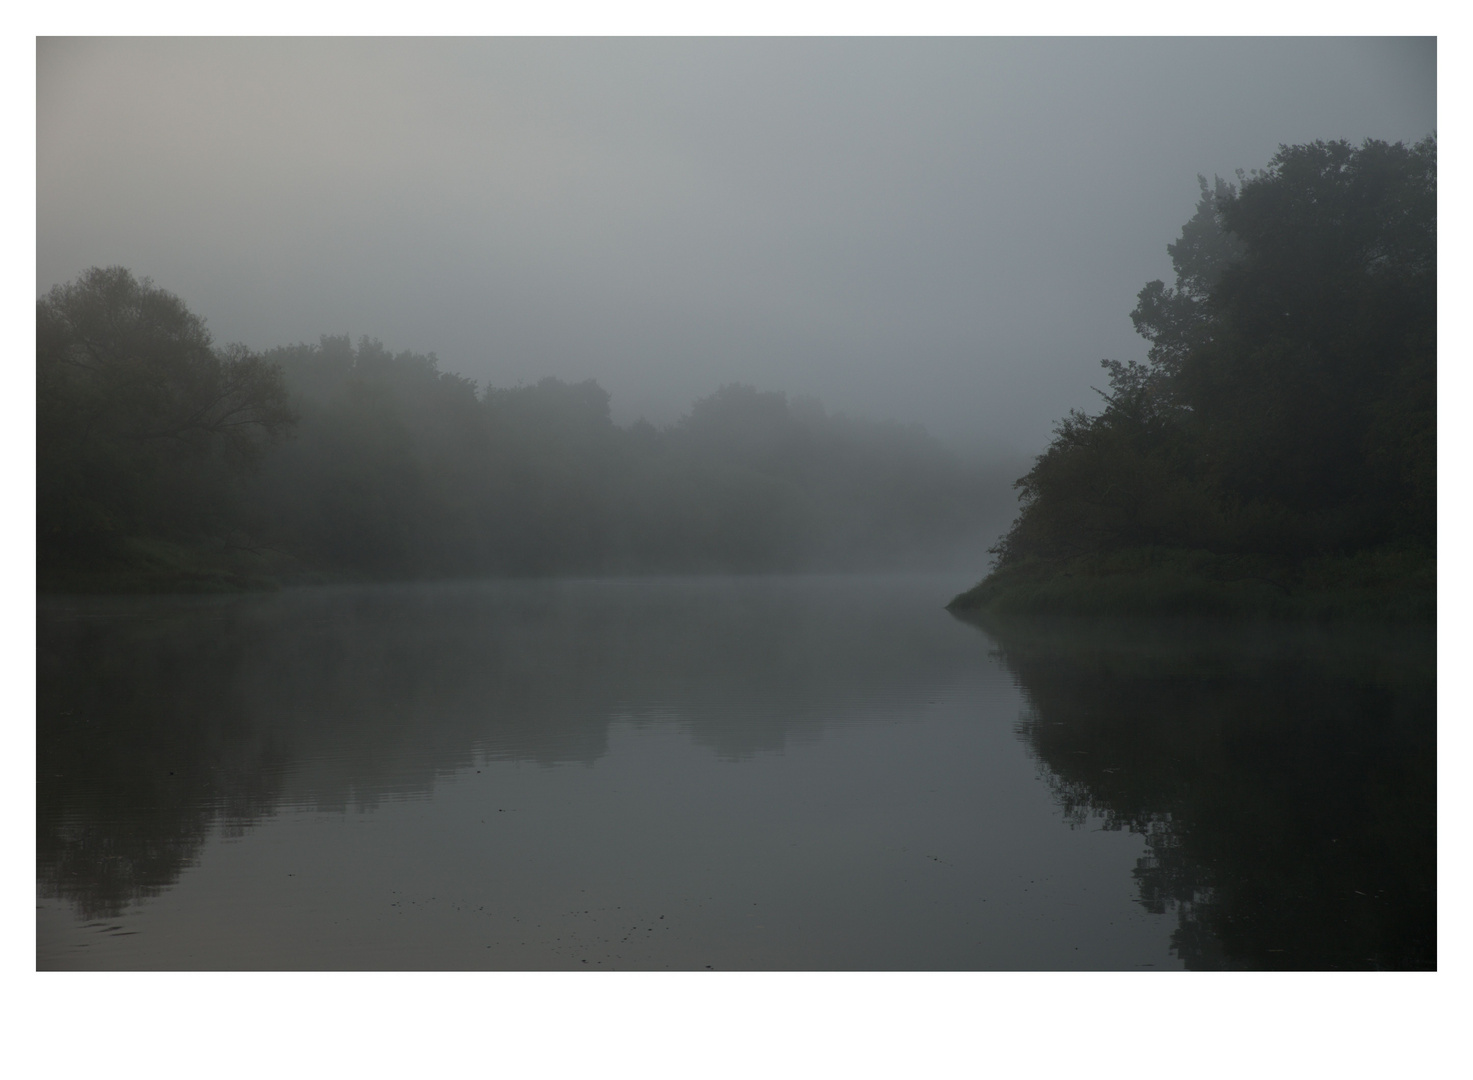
(164, 461)
(1280, 438)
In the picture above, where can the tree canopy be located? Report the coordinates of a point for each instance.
(400, 469)
(143, 425)
(1287, 407)
(156, 445)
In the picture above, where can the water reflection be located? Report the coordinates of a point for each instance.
(160, 720)
(838, 755)
(1284, 778)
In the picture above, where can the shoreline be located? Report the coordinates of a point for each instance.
(1383, 586)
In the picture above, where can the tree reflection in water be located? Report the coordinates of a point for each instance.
(1284, 778)
(163, 720)
(131, 780)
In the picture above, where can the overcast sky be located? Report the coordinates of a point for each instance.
(946, 231)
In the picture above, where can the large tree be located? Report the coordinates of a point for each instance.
(142, 423)
(1287, 404)
(1316, 397)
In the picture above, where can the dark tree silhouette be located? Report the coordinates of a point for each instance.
(142, 424)
(1287, 409)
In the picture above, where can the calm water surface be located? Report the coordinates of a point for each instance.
(809, 773)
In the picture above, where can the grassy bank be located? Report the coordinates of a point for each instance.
(158, 566)
(1393, 585)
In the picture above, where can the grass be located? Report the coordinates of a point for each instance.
(1391, 585)
(159, 566)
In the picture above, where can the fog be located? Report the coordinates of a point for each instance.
(944, 232)
(534, 477)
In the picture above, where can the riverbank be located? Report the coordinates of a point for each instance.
(1394, 585)
(145, 566)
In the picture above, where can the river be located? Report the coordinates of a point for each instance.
(729, 773)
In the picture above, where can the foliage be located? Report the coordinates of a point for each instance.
(1287, 405)
(160, 467)
(402, 470)
(385, 443)
(143, 426)
(396, 469)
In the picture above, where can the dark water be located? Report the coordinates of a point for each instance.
(825, 773)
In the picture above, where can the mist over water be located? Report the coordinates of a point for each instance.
(496, 502)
